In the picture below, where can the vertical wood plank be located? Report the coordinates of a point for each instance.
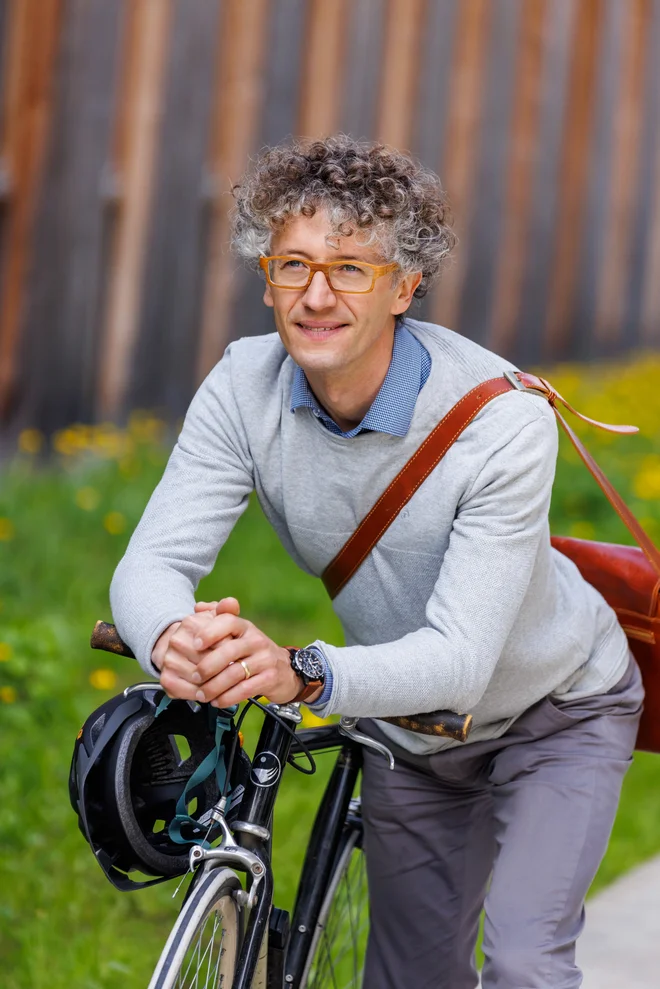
(57, 369)
(645, 256)
(365, 30)
(461, 145)
(626, 140)
(401, 69)
(518, 195)
(238, 99)
(433, 104)
(573, 174)
(165, 355)
(487, 200)
(283, 69)
(650, 317)
(323, 67)
(545, 205)
(139, 116)
(579, 331)
(33, 33)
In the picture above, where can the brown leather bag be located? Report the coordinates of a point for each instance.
(628, 577)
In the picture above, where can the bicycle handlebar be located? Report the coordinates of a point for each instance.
(446, 724)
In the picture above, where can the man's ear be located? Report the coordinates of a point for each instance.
(405, 291)
(268, 296)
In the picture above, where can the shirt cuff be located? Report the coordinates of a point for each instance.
(326, 693)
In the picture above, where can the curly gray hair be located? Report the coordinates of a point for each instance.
(374, 191)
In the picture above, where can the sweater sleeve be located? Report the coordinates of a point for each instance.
(484, 576)
(203, 492)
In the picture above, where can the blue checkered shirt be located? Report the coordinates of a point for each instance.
(390, 412)
(392, 409)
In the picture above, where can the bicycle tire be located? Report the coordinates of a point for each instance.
(185, 959)
(336, 954)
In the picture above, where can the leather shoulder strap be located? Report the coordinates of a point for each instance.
(340, 570)
(529, 382)
(351, 556)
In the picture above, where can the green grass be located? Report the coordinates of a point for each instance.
(61, 923)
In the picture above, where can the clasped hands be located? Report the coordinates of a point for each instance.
(207, 658)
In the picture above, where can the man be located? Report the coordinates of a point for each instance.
(461, 605)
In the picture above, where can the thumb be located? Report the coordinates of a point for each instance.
(228, 606)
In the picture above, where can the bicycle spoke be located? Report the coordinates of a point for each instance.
(338, 960)
(205, 955)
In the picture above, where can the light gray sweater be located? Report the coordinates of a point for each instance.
(462, 605)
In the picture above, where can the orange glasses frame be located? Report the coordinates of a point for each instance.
(325, 267)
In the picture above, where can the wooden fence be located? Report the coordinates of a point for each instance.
(124, 123)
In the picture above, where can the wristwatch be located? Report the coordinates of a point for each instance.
(307, 664)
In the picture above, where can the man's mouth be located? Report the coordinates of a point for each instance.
(319, 330)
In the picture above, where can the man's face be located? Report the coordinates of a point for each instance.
(326, 331)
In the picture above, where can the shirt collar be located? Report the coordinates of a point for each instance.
(393, 407)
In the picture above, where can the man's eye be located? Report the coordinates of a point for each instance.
(293, 263)
(352, 269)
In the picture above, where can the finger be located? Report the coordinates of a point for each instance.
(228, 606)
(229, 651)
(177, 688)
(178, 665)
(205, 606)
(255, 686)
(211, 632)
(231, 677)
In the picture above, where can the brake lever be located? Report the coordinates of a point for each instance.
(347, 728)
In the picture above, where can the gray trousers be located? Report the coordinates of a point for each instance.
(531, 811)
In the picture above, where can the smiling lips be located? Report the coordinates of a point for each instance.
(319, 330)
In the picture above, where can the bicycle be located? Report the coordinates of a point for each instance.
(231, 936)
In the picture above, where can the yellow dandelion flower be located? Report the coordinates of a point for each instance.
(583, 530)
(310, 720)
(646, 483)
(110, 442)
(103, 679)
(7, 530)
(7, 695)
(65, 441)
(87, 499)
(115, 523)
(30, 440)
(5, 652)
(145, 428)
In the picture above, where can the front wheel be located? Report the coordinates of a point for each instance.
(202, 949)
(336, 955)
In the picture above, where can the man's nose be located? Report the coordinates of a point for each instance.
(318, 294)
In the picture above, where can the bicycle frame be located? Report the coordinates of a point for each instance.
(248, 850)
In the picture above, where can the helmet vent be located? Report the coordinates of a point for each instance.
(181, 748)
(97, 728)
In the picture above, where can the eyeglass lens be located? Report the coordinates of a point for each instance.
(347, 276)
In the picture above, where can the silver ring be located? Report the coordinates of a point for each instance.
(245, 666)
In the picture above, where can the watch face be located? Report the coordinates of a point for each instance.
(308, 665)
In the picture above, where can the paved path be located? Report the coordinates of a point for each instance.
(620, 946)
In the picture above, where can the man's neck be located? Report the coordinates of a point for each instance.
(348, 395)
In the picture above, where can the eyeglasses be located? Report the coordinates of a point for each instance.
(355, 277)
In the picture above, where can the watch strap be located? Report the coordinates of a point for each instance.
(307, 691)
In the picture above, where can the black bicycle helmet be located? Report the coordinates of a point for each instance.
(132, 786)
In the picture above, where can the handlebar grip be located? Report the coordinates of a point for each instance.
(439, 723)
(105, 636)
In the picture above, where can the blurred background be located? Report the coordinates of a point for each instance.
(123, 124)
